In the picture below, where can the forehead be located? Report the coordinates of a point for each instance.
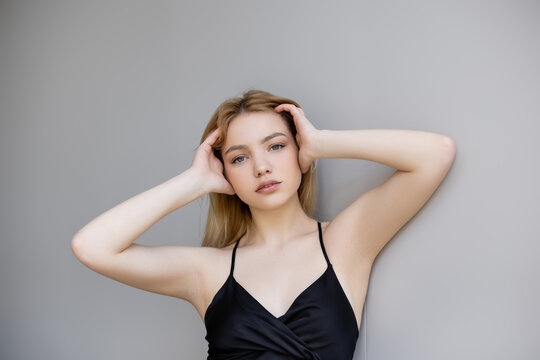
(252, 127)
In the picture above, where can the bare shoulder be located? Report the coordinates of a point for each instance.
(352, 272)
(214, 266)
(336, 238)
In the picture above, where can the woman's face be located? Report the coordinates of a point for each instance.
(260, 147)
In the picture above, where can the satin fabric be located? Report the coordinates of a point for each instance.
(320, 324)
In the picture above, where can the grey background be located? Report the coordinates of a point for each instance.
(101, 100)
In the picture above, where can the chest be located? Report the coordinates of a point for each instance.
(276, 288)
(318, 324)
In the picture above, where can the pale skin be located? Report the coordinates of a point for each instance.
(283, 242)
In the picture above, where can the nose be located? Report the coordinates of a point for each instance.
(262, 167)
(261, 171)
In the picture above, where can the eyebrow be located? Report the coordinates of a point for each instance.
(266, 138)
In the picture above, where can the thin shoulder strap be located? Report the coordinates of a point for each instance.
(322, 244)
(233, 255)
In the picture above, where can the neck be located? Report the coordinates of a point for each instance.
(275, 227)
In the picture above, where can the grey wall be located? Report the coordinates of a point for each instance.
(101, 100)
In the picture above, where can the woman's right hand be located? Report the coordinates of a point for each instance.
(209, 168)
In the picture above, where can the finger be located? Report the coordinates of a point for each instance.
(285, 105)
(210, 139)
(296, 111)
(293, 109)
(288, 107)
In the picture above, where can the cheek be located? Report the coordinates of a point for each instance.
(292, 157)
(234, 177)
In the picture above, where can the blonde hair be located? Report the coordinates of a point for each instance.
(228, 216)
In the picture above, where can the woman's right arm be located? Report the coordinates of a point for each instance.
(106, 246)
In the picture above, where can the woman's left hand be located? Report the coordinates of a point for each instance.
(306, 136)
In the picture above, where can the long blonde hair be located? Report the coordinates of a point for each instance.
(228, 216)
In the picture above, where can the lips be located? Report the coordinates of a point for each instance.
(267, 182)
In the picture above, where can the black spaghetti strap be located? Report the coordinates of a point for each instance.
(322, 244)
(233, 256)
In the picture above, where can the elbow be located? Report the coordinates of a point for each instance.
(89, 253)
(449, 143)
(76, 246)
(78, 249)
(449, 149)
(442, 158)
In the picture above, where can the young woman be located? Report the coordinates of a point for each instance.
(270, 281)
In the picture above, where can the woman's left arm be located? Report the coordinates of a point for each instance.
(422, 159)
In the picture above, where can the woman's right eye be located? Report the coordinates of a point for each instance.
(236, 158)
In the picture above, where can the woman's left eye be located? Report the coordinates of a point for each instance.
(277, 145)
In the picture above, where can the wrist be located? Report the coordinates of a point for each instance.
(192, 181)
(319, 144)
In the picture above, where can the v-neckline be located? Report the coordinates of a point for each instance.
(328, 267)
